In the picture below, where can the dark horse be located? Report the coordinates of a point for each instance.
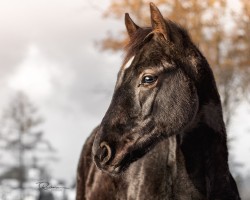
(163, 136)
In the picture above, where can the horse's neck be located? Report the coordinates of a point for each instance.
(162, 173)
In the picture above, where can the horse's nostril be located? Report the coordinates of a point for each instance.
(105, 153)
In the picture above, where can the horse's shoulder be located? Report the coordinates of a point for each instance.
(86, 155)
(84, 165)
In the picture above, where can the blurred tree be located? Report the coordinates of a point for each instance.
(21, 138)
(221, 32)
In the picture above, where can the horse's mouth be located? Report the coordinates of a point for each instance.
(114, 169)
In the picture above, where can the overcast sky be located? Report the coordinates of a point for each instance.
(47, 50)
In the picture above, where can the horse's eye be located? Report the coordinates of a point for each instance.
(148, 79)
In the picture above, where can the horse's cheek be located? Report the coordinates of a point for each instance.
(175, 107)
(187, 106)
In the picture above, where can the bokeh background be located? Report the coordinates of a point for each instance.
(58, 65)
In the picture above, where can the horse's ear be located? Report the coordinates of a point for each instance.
(158, 23)
(130, 25)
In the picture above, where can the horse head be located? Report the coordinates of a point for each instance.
(156, 93)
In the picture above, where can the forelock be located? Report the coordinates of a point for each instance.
(136, 42)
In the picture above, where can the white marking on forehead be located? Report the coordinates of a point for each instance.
(127, 65)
